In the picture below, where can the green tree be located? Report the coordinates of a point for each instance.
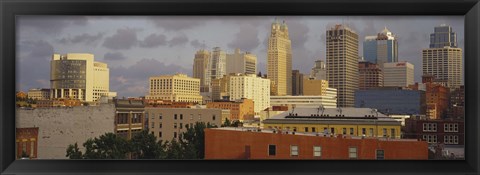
(144, 145)
(174, 150)
(107, 146)
(226, 123)
(194, 138)
(73, 152)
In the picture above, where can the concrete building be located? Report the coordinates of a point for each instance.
(443, 59)
(398, 74)
(447, 132)
(168, 123)
(245, 63)
(239, 110)
(251, 87)
(26, 141)
(39, 94)
(243, 143)
(175, 88)
(218, 64)
(279, 59)
(200, 69)
(59, 127)
(342, 63)
(221, 88)
(381, 48)
(78, 76)
(392, 100)
(346, 121)
(445, 64)
(319, 71)
(297, 82)
(328, 101)
(436, 95)
(315, 87)
(129, 117)
(370, 75)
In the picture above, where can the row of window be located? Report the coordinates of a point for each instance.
(175, 117)
(448, 127)
(344, 131)
(317, 152)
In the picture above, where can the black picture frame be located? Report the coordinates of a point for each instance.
(470, 9)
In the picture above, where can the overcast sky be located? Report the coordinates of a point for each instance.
(138, 47)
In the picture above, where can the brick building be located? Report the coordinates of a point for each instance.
(436, 97)
(26, 141)
(129, 117)
(239, 110)
(239, 143)
(457, 103)
(448, 132)
(369, 75)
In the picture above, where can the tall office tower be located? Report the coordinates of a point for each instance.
(279, 59)
(443, 59)
(200, 69)
(245, 63)
(342, 63)
(442, 36)
(297, 82)
(382, 48)
(174, 88)
(78, 76)
(399, 74)
(319, 71)
(369, 75)
(252, 87)
(220, 88)
(217, 64)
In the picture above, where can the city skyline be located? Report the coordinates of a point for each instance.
(138, 47)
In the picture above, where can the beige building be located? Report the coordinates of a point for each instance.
(39, 94)
(311, 101)
(315, 87)
(168, 123)
(319, 71)
(239, 110)
(78, 76)
(342, 63)
(398, 74)
(445, 64)
(251, 87)
(217, 65)
(220, 88)
(200, 69)
(245, 63)
(175, 88)
(279, 59)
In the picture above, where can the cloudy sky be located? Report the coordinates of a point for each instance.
(138, 47)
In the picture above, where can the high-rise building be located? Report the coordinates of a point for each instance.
(200, 69)
(220, 88)
(78, 76)
(319, 71)
(251, 87)
(443, 36)
(297, 82)
(217, 64)
(399, 74)
(382, 48)
(443, 59)
(392, 100)
(279, 59)
(369, 75)
(245, 63)
(436, 97)
(342, 63)
(175, 88)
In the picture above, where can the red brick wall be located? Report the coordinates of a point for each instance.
(28, 134)
(225, 144)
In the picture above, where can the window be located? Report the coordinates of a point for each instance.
(306, 129)
(392, 133)
(272, 150)
(364, 131)
(213, 117)
(332, 130)
(317, 151)
(160, 134)
(313, 129)
(384, 130)
(160, 116)
(344, 131)
(380, 154)
(352, 152)
(153, 124)
(293, 150)
(175, 116)
(181, 125)
(181, 116)
(174, 134)
(175, 125)
(370, 132)
(351, 131)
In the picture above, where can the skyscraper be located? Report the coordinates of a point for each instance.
(342, 63)
(297, 82)
(369, 75)
(319, 71)
(217, 64)
(241, 63)
(443, 59)
(78, 76)
(200, 69)
(443, 35)
(399, 74)
(382, 48)
(279, 59)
